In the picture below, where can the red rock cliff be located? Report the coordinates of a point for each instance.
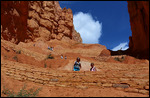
(139, 21)
(33, 20)
(14, 16)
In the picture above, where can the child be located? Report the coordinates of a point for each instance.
(61, 56)
(93, 68)
(52, 48)
(77, 65)
(65, 57)
(49, 48)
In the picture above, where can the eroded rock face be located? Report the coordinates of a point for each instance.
(14, 16)
(139, 21)
(31, 20)
(76, 35)
(47, 20)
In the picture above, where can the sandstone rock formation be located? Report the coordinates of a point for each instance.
(14, 16)
(76, 36)
(139, 20)
(32, 20)
(105, 52)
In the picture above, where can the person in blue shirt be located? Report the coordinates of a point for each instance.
(77, 65)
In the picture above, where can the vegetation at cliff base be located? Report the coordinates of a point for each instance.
(32, 92)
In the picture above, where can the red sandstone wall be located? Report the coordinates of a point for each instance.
(14, 15)
(33, 20)
(139, 21)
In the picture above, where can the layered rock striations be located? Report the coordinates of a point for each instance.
(139, 21)
(33, 20)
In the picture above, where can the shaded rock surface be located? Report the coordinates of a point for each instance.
(139, 21)
(14, 15)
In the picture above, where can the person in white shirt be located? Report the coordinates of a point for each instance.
(93, 68)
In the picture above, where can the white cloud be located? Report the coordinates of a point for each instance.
(122, 46)
(89, 29)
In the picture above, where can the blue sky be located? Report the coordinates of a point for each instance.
(103, 22)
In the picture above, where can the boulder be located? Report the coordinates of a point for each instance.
(105, 52)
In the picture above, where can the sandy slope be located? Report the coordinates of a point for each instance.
(29, 66)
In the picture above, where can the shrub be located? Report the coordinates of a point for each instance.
(122, 57)
(119, 59)
(50, 56)
(18, 52)
(45, 65)
(15, 58)
(22, 93)
(8, 93)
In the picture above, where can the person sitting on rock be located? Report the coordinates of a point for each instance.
(65, 57)
(93, 68)
(52, 48)
(61, 56)
(49, 48)
(77, 65)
